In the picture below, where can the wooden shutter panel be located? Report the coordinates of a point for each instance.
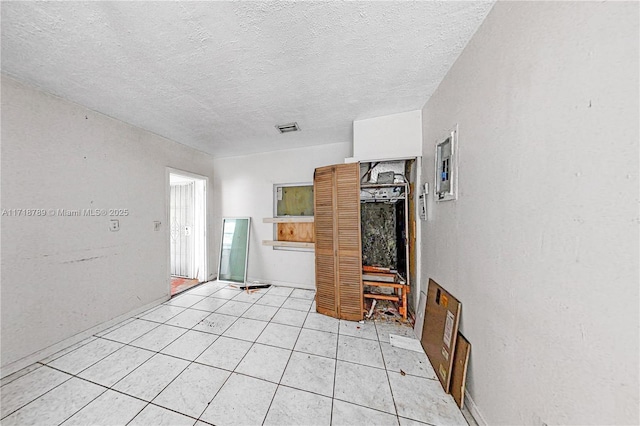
(326, 298)
(349, 250)
(338, 245)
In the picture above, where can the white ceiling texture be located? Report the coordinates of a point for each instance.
(218, 76)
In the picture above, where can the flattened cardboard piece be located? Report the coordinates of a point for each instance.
(440, 331)
(407, 343)
(459, 373)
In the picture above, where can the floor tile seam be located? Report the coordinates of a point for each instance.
(135, 368)
(219, 313)
(283, 371)
(236, 338)
(76, 375)
(200, 354)
(229, 326)
(273, 397)
(169, 384)
(85, 405)
(39, 396)
(181, 306)
(165, 346)
(200, 322)
(226, 299)
(335, 374)
(287, 325)
(129, 373)
(386, 372)
(266, 380)
(146, 404)
(115, 326)
(370, 408)
(422, 422)
(357, 337)
(146, 332)
(141, 315)
(156, 321)
(257, 319)
(304, 390)
(212, 295)
(216, 394)
(311, 353)
(35, 364)
(433, 379)
(243, 357)
(94, 363)
(398, 372)
(316, 329)
(93, 338)
(297, 310)
(137, 347)
(41, 364)
(300, 298)
(222, 313)
(262, 304)
(207, 310)
(361, 364)
(229, 337)
(164, 408)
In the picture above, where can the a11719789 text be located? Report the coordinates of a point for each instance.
(64, 212)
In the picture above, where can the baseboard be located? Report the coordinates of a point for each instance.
(18, 365)
(473, 410)
(253, 280)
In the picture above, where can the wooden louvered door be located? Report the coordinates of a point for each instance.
(338, 245)
(323, 194)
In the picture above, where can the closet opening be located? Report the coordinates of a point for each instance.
(386, 210)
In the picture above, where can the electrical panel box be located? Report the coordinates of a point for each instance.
(446, 168)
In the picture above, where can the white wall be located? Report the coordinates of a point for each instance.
(388, 137)
(542, 245)
(243, 186)
(64, 275)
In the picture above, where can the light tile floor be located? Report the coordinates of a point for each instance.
(216, 355)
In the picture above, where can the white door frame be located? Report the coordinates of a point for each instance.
(200, 226)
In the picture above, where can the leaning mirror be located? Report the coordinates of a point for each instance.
(234, 250)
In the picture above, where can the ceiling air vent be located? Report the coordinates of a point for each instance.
(289, 127)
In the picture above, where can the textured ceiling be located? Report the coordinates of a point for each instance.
(218, 76)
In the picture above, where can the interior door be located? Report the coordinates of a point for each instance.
(326, 297)
(338, 242)
(181, 222)
(349, 242)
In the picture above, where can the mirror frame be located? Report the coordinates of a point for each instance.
(246, 258)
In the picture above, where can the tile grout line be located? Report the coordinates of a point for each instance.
(140, 365)
(286, 365)
(335, 373)
(103, 335)
(37, 397)
(190, 362)
(386, 372)
(203, 351)
(239, 362)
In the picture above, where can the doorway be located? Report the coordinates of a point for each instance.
(187, 230)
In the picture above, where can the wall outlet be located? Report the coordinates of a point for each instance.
(114, 225)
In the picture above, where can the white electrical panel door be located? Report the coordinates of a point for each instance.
(446, 167)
